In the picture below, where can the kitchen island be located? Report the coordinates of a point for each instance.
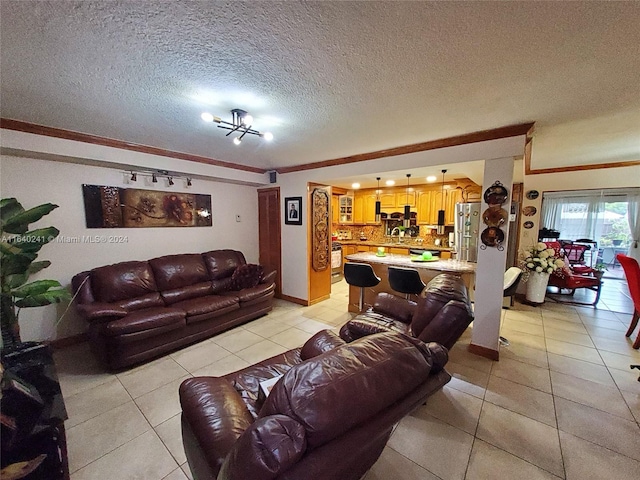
(427, 270)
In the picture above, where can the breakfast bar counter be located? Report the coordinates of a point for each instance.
(427, 270)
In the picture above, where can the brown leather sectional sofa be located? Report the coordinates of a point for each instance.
(442, 313)
(141, 309)
(329, 417)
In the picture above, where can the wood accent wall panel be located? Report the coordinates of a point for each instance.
(319, 238)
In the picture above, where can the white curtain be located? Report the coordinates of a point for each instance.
(552, 213)
(633, 217)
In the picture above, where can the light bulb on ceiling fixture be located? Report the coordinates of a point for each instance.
(237, 141)
(247, 120)
(355, 185)
(390, 183)
(268, 136)
(207, 117)
(431, 178)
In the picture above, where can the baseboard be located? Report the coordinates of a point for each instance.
(299, 301)
(318, 300)
(484, 352)
(66, 342)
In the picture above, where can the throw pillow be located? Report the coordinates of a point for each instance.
(246, 276)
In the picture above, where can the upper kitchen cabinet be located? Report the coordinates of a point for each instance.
(387, 200)
(335, 209)
(364, 208)
(405, 198)
(453, 196)
(358, 208)
(345, 203)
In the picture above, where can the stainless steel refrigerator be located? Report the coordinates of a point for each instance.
(467, 225)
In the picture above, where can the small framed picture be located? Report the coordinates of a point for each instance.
(293, 211)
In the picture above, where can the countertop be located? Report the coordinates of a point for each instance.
(396, 260)
(370, 243)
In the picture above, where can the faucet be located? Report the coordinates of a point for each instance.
(394, 230)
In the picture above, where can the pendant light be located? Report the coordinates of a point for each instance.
(407, 208)
(440, 229)
(378, 201)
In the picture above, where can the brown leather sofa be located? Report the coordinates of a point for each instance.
(442, 313)
(142, 309)
(329, 417)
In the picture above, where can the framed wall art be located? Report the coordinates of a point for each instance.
(293, 210)
(115, 207)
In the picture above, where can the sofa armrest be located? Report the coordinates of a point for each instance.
(269, 277)
(448, 324)
(321, 342)
(266, 449)
(215, 415)
(101, 311)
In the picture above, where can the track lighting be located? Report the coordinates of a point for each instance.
(154, 179)
(170, 180)
(188, 182)
(134, 177)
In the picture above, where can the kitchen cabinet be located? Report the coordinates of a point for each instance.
(369, 213)
(347, 250)
(335, 209)
(362, 248)
(405, 198)
(345, 203)
(358, 209)
(399, 250)
(388, 200)
(445, 255)
(453, 197)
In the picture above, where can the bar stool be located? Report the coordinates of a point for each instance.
(405, 280)
(360, 275)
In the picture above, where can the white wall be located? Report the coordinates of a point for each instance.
(34, 182)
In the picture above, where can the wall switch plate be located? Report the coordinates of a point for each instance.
(237, 218)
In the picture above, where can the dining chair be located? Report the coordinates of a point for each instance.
(632, 272)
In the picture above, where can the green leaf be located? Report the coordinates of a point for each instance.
(9, 207)
(8, 249)
(35, 267)
(47, 298)
(34, 240)
(13, 264)
(35, 288)
(19, 223)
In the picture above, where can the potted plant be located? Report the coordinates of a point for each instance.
(599, 270)
(19, 249)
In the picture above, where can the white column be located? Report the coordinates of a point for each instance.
(491, 267)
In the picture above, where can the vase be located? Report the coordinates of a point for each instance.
(537, 286)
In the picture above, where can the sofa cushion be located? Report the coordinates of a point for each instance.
(185, 293)
(246, 276)
(147, 319)
(222, 263)
(176, 271)
(370, 323)
(258, 292)
(138, 303)
(214, 304)
(395, 307)
(122, 281)
(333, 392)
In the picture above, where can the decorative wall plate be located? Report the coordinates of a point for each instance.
(496, 194)
(492, 236)
(495, 216)
(528, 225)
(532, 194)
(529, 211)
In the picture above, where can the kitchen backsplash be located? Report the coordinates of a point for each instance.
(374, 233)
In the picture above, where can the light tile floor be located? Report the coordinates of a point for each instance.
(561, 402)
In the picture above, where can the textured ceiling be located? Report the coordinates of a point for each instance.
(329, 79)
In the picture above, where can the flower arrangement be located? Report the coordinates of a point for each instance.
(541, 259)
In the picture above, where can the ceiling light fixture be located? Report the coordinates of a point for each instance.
(134, 177)
(154, 178)
(188, 182)
(154, 175)
(355, 185)
(390, 183)
(440, 229)
(241, 122)
(170, 180)
(431, 178)
(407, 208)
(378, 201)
